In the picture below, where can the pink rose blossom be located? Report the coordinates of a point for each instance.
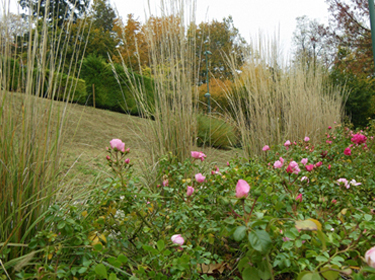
(198, 155)
(127, 161)
(165, 183)
(309, 167)
(330, 127)
(293, 168)
(227, 163)
(370, 257)
(307, 139)
(277, 164)
(334, 201)
(359, 139)
(304, 161)
(189, 191)
(329, 142)
(329, 167)
(287, 144)
(348, 152)
(117, 144)
(318, 164)
(266, 148)
(242, 189)
(299, 197)
(108, 158)
(200, 178)
(178, 239)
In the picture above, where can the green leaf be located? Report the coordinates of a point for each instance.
(82, 270)
(260, 240)
(160, 244)
(250, 273)
(98, 247)
(244, 262)
(368, 217)
(321, 259)
(101, 270)
(121, 258)
(167, 252)
(240, 233)
(330, 274)
(298, 243)
(309, 276)
(112, 276)
(322, 237)
(368, 269)
(61, 225)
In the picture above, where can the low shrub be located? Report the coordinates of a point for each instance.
(300, 211)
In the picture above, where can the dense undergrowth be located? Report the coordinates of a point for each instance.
(300, 211)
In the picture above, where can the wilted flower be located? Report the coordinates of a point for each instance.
(348, 152)
(117, 144)
(266, 148)
(200, 178)
(370, 257)
(242, 189)
(165, 183)
(343, 180)
(304, 178)
(189, 191)
(354, 183)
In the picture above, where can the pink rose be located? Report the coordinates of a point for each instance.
(329, 167)
(330, 127)
(117, 144)
(178, 239)
(304, 161)
(293, 168)
(281, 160)
(266, 148)
(200, 178)
(329, 142)
(299, 197)
(189, 191)
(198, 155)
(309, 167)
(370, 257)
(287, 144)
(242, 189)
(127, 161)
(359, 139)
(334, 201)
(277, 164)
(165, 183)
(318, 164)
(348, 152)
(307, 139)
(108, 158)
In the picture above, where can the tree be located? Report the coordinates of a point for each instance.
(132, 47)
(223, 40)
(311, 43)
(58, 11)
(103, 15)
(351, 32)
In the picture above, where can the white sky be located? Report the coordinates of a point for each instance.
(249, 16)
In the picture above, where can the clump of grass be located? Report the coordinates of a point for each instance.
(171, 125)
(271, 102)
(215, 132)
(31, 129)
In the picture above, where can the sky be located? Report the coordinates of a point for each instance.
(251, 17)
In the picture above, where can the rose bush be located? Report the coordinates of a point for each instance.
(203, 222)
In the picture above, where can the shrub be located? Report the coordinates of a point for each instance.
(215, 132)
(71, 87)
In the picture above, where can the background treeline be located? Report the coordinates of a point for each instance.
(107, 42)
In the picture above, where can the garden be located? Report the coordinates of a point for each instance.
(276, 182)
